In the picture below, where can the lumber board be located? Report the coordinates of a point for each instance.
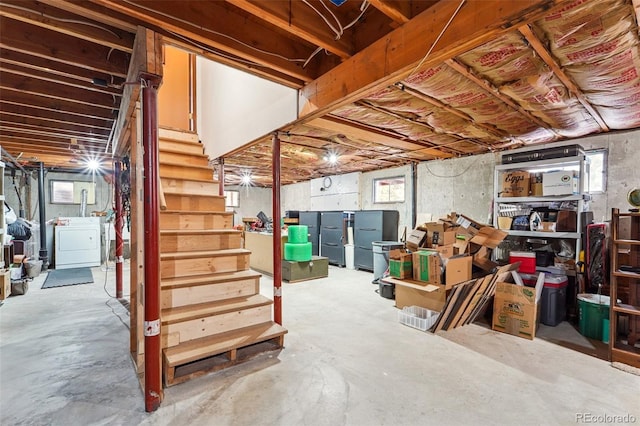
(209, 326)
(181, 171)
(174, 241)
(209, 279)
(176, 219)
(182, 158)
(193, 202)
(183, 264)
(180, 136)
(209, 292)
(189, 187)
(204, 310)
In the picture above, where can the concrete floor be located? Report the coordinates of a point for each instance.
(64, 360)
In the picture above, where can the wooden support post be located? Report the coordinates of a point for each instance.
(118, 227)
(277, 232)
(152, 348)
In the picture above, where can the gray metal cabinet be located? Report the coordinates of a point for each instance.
(332, 237)
(370, 226)
(312, 221)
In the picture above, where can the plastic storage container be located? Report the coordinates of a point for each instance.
(553, 300)
(553, 309)
(592, 310)
(527, 259)
(417, 317)
(381, 251)
(349, 252)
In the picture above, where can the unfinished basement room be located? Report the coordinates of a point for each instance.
(319, 212)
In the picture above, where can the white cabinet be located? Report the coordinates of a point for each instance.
(524, 209)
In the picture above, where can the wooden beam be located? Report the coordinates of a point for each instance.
(544, 54)
(298, 19)
(25, 70)
(146, 62)
(21, 128)
(193, 20)
(50, 45)
(40, 15)
(397, 55)
(57, 68)
(96, 13)
(398, 11)
(498, 133)
(493, 91)
(31, 100)
(20, 113)
(37, 87)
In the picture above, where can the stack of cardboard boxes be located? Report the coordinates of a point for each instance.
(439, 256)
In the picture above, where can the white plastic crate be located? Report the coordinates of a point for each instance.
(417, 317)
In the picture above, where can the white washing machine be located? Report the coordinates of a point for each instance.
(77, 242)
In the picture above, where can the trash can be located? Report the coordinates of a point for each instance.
(349, 253)
(592, 310)
(381, 251)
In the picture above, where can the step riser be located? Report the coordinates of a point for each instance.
(195, 221)
(176, 297)
(203, 265)
(186, 147)
(180, 136)
(169, 171)
(174, 334)
(184, 159)
(190, 203)
(187, 187)
(175, 243)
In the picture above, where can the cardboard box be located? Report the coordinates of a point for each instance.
(426, 266)
(515, 184)
(547, 227)
(5, 285)
(482, 259)
(400, 263)
(489, 237)
(416, 239)
(535, 185)
(457, 270)
(559, 183)
(516, 309)
(410, 293)
(469, 225)
(462, 241)
(447, 251)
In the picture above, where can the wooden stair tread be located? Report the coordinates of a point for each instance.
(205, 253)
(204, 310)
(181, 152)
(169, 283)
(199, 231)
(178, 135)
(165, 162)
(213, 345)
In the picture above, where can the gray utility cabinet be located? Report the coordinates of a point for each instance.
(332, 237)
(312, 221)
(370, 226)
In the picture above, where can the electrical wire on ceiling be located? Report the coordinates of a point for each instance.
(340, 30)
(69, 21)
(437, 39)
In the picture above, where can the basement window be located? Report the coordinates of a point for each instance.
(597, 170)
(232, 198)
(388, 190)
(71, 192)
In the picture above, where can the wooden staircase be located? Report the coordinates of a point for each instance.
(212, 313)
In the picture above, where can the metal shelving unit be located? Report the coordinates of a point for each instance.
(579, 162)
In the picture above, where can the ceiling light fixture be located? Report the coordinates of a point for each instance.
(245, 178)
(93, 164)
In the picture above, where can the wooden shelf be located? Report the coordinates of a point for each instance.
(624, 347)
(627, 309)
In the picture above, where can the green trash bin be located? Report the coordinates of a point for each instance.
(592, 310)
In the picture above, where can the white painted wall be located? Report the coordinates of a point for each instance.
(235, 108)
(340, 192)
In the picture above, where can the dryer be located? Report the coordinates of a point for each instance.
(77, 242)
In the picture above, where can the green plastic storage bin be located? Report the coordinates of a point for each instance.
(592, 310)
